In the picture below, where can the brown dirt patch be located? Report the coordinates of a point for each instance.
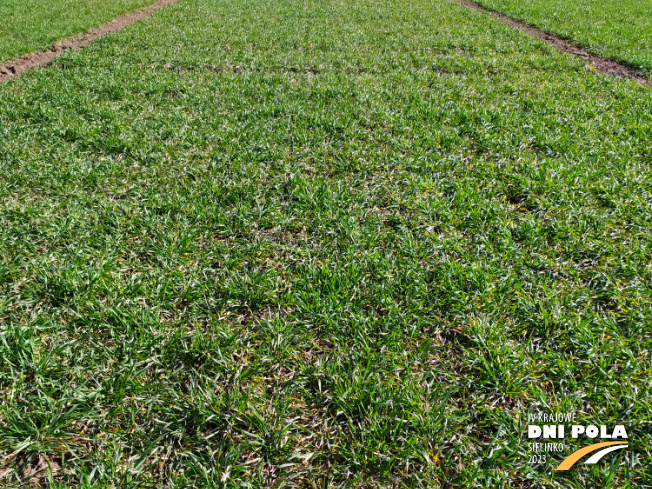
(605, 66)
(34, 60)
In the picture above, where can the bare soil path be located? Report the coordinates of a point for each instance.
(605, 66)
(15, 67)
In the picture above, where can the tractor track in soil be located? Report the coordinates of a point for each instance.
(606, 66)
(10, 69)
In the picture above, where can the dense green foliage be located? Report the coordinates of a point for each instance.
(248, 243)
(619, 29)
(33, 25)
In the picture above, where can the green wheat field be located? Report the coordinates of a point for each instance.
(320, 244)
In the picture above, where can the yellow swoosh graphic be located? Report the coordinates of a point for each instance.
(574, 457)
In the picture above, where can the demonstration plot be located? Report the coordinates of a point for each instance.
(33, 25)
(619, 29)
(322, 243)
(17, 66)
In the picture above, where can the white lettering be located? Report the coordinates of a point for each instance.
(619, 431)
(533, 431)
(592, 431)
(549, 431)
(603, 432)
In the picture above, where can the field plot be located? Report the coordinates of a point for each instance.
(619, 29)
(318, 243)
(33, 25)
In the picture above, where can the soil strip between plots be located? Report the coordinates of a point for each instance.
(605, 66)
(13, 68)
